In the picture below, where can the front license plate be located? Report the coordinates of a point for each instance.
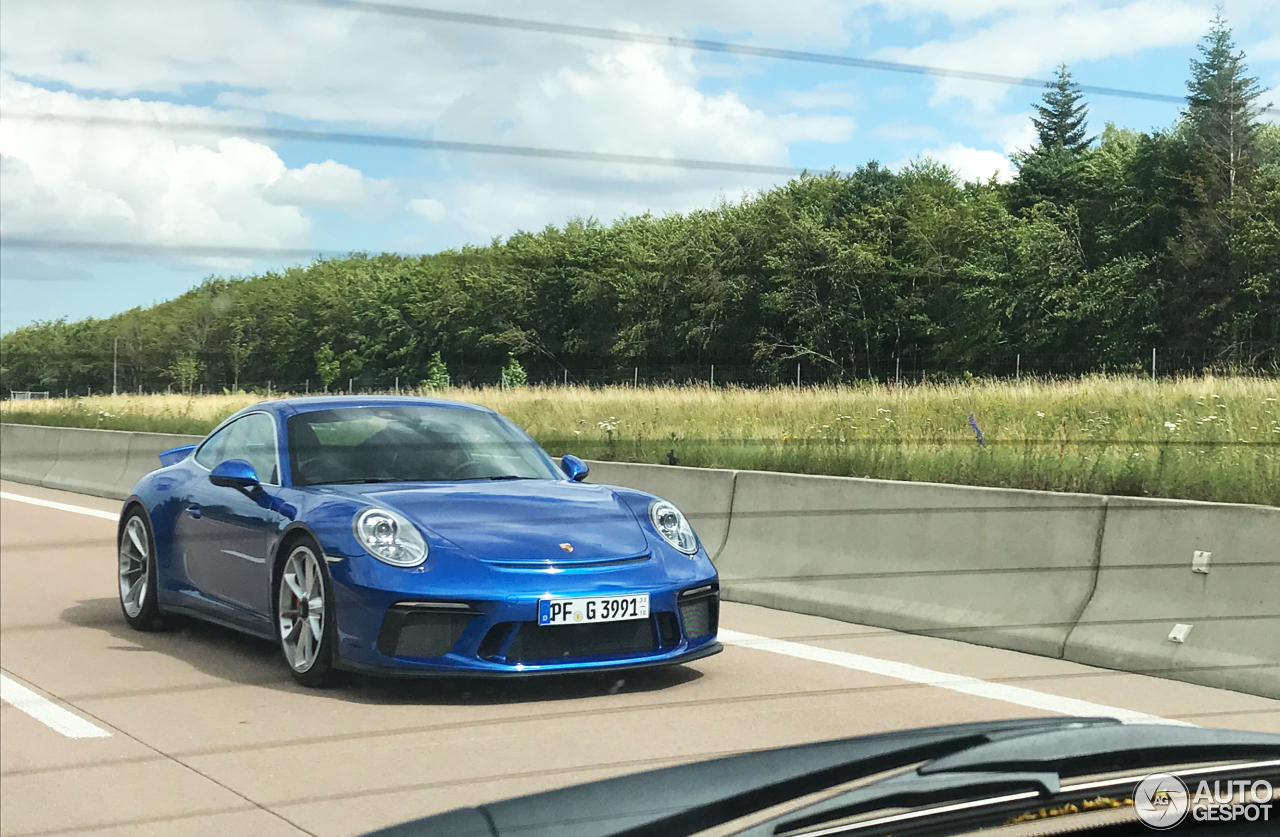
(593, 609)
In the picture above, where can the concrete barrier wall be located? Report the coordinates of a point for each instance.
(90, 462)
(27, 453)
(990, 566)
(1098, 580)
(1147, 587)
(104, 463)
(704, 495)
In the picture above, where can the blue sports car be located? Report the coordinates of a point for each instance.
(412, 536)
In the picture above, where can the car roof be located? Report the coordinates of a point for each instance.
(291, 406)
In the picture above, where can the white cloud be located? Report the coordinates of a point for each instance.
(453, 82)
(139, 186)
(972, 163)
(319, 184)
(428, 208)
(1033, 41)
(1268, 50)
(827, 95)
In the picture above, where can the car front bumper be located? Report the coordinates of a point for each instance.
(397, 624)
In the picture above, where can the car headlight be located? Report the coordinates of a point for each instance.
(671, 524)
(389, 537)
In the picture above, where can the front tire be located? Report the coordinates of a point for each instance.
(304, 615)
(137, 573)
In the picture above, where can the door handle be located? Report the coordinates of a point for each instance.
(193, 510)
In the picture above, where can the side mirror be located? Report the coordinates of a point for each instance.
(574, 467)
(234, 473)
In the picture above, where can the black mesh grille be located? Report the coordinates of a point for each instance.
(700, 616)
(540, 643)
(418, 633)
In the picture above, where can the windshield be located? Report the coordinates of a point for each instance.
(411, 444)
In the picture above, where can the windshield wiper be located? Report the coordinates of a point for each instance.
(359, 480)
(999, 763)
(511, 477)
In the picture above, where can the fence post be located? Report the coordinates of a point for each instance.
(566, 376)
(308, 386)
(1153, 364)
(397, 384)
(1017, 375)
(897, 371)
(351, 386)
(636, 380)
(797, 375)
(713, 376)
(268, 389)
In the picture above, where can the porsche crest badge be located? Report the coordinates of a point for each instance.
(567, 547)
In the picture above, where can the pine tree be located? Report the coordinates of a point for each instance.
(1061, 123)
(1217, 285)
(1051, 171)
(1222, 112)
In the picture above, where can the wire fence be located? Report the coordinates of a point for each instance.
(98, 376)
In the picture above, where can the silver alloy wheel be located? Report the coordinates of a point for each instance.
(135, 564)
(301, 609)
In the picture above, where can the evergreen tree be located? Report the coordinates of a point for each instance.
(1061, 120)
(1218, 286)
(1222, 112)
(1051, 171)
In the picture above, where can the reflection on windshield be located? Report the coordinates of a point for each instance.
(411, 444)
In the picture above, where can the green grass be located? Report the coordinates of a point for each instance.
(1209, 438)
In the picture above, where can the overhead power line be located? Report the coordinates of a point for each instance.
(705, 45)
(392, 141)
(84, 247)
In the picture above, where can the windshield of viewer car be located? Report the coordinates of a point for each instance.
(411, 444)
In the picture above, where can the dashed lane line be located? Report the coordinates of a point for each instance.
(941, 679)
(66, 507)
(47, 712)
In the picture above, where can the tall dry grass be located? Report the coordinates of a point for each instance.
(1206, 438)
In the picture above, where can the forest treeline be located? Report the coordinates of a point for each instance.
(1101, 248)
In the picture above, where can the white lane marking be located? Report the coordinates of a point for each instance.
(941, 679)
(47, 712)
(232, 552)
(50, 504)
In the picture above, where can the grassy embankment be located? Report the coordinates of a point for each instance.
(1208, 438)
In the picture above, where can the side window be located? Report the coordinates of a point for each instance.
(252, 438)
(210, 452)
(255, 442)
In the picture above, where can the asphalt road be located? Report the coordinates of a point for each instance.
(200, 731)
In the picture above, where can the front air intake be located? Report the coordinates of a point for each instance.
(412, 629)
(700, 611)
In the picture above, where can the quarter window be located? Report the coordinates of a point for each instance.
(251, 438)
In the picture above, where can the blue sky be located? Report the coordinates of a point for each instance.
(279, 64)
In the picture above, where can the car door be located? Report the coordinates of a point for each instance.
(225, 531)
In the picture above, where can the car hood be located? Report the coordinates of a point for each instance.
(520, 521)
